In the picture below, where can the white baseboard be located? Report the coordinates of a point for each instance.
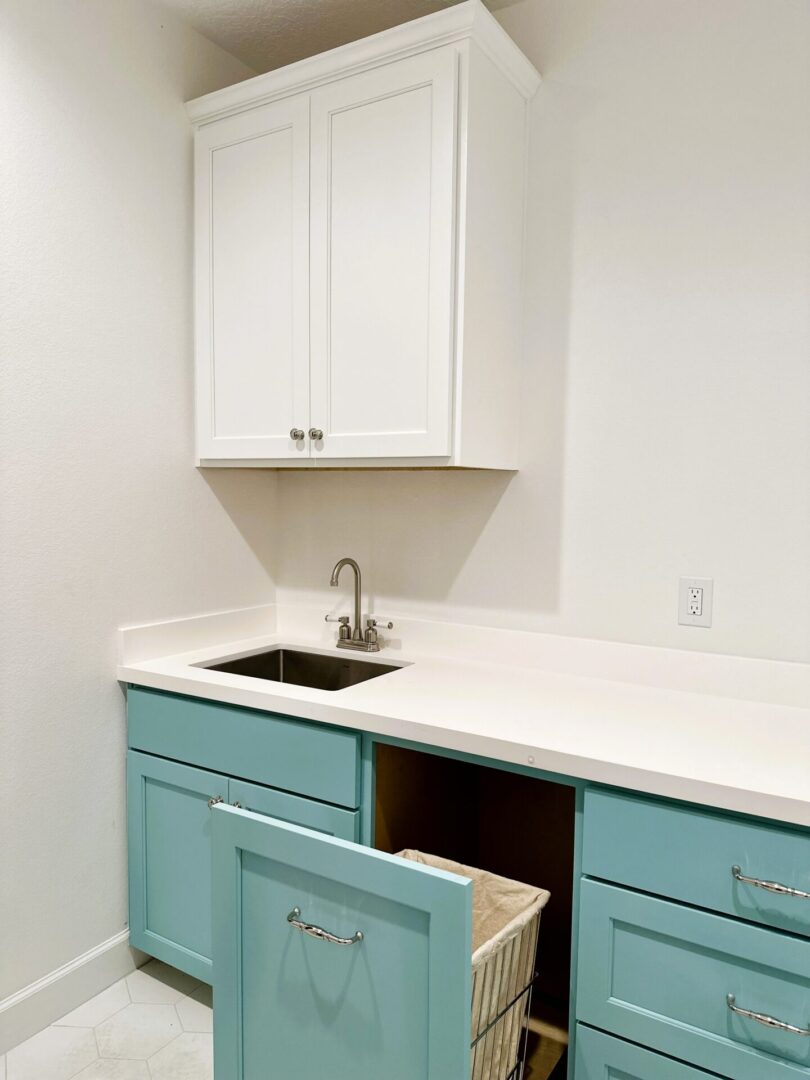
(40, 1003)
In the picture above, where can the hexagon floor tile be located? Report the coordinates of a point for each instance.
(138, 1031)
(110, 1069)
(195, 1011)
(155, 1024)
(57, 1053)
(191, 1057)
(158, 983)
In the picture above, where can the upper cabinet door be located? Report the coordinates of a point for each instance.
(382, 282)
(393, 1002)
(252, 227)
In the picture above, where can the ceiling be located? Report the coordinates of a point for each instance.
(267, 34)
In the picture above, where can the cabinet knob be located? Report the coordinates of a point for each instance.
(316, 434)
(215, 800)
(296, 434)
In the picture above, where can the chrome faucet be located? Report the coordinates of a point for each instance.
(353, 637)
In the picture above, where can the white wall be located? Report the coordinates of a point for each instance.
(666, 425)
(103, 519)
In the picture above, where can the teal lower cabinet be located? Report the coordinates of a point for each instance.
(681, 980)
(335, 961)
(170, 860)
(169, 806)
(603, 1057)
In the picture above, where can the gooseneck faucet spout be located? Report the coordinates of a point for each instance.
(354, 637)
(357, 633)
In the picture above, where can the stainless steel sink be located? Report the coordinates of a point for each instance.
(321, 672)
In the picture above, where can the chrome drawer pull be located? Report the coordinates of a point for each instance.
(762, 1018)
(318, 931)
(769, 886)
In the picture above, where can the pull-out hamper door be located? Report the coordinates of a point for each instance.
(390, 1001)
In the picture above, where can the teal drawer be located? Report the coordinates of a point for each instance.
(601, 1057)
(278, 751)
(687, 854)
(659, 974)
(331, 820)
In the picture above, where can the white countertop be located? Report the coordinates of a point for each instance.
(723, 731)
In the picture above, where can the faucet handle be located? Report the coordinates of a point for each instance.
(345, 632)
(372, 623)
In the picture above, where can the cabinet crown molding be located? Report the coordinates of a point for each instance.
(469, 20)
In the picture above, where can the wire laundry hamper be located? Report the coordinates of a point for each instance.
(506, 925)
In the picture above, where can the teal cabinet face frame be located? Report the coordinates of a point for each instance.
(602, 1057)
(170, 860)
(659, 974)
(395, 1004)
(687, 853)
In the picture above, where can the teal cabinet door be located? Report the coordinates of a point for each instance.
(170, 860)
(333, 820)
(690, 984)
(601, 1057)
(384, 991)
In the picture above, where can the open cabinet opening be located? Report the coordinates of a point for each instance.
(519, 827)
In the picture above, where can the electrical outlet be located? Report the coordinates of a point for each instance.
(695, 601)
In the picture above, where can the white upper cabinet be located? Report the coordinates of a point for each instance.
(359, 234)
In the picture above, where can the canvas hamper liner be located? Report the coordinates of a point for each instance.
(506, 922)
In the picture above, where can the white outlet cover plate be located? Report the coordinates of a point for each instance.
(684, 585)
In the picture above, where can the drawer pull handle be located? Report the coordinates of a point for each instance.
(215, 800)
(769, 886)
(318, 931)
(763, 1018)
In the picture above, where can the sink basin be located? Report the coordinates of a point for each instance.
(321, 672)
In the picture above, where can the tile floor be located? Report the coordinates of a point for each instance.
(155, 1024)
